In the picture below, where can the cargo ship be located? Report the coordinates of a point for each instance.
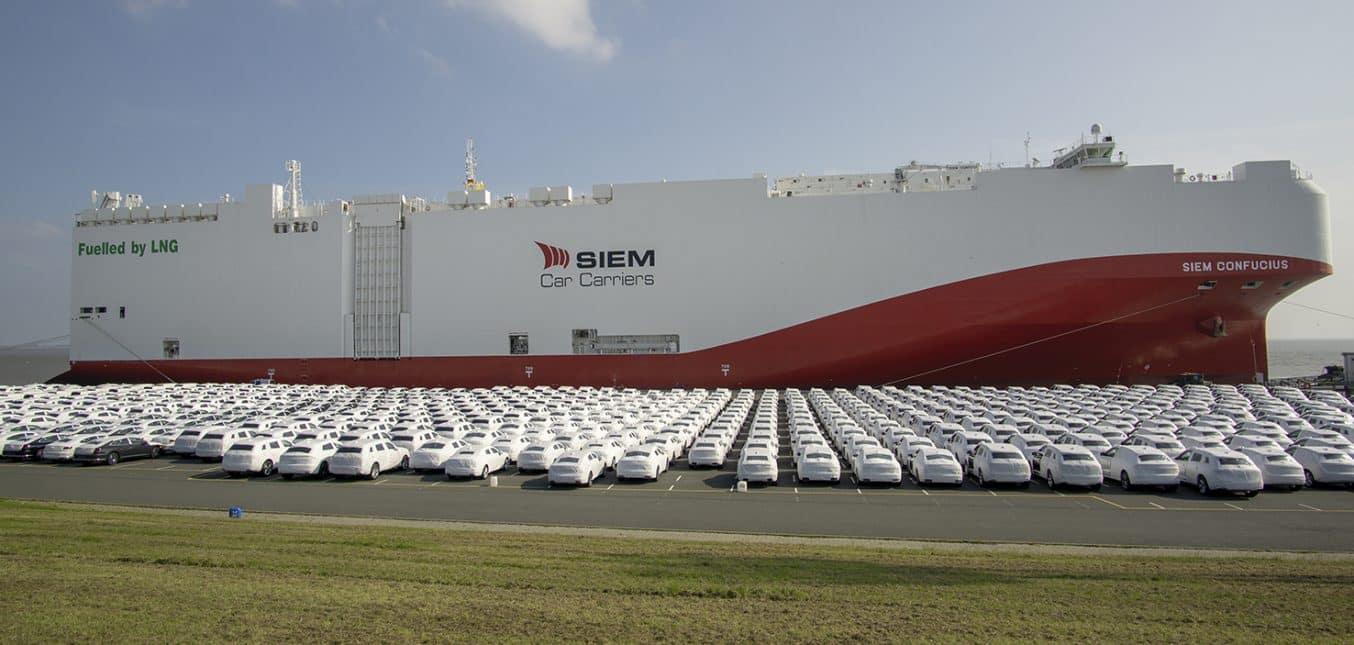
(1083, 270)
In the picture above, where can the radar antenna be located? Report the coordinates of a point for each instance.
(1027, 148)
(471, 183)
(294, 188)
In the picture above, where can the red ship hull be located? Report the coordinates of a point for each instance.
(1128, 319)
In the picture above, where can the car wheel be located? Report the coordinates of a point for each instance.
(450, 477)
(112, 458)
(484, 474)
(267, 470)
(1124, 483)
(1308, 475)
(591, 476)
(374, 472)
(324, 469)
(1048, 479)
(655, 474)
(1202, 485)
(404, 464)
(154, 453)
(1251, 493)
(287, 476)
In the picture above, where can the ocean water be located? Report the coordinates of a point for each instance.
(1287, 358)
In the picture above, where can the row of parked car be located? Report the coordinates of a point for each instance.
(1213, 438)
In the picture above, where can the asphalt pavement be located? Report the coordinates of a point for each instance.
(707, 500)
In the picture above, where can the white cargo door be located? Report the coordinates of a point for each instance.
(376, 292)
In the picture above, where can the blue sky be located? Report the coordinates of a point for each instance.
(183, 100)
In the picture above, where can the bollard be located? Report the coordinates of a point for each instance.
(493, 481)
(742, 487)
(235, 512)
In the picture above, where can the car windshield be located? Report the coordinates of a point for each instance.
(818, 455)
(878, 457)
(568, 460)
(1232, 461)
(1076, 456)
(214, 435)
(1336, 456)
(938, 458)
(190, 433)
(242, 447)
(1152, 457)
(298, 449)
(756, 458)
(350, 449)
(434, 445)
(1006, 455)
(637, 453)
(1277, 458)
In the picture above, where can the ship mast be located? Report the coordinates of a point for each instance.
(470, 166)
(294, 188)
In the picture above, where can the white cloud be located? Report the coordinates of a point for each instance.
(143, 7)
(564, 25)
(437, 63)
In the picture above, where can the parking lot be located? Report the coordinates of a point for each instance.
(683, 499)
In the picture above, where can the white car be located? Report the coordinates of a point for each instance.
(610, 450)
(642, 462)
(1029, 445)
(1278, 469)
(214, 445)
(65, 450)
(1136, 466)
(476, 461)
(186, 442)
(537, 457)
(758, 465)
(368, 458)
(576, 468)
(1065, 464)
(1211, 470)
(875, 465)
(1324, 465)
(932, 465)
(433, 455)
(258, 456)
(412, 440)
(511, 445)
(994, 463)
(907, 446)
(307, 458)
(707, 452)
(819, 465)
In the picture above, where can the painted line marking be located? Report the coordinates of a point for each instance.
(434, 484)
(679, 478)
(379, 482)
(611, 487)
(672, 486)
(994, 493)
(1159, 506)
(1312, 508)
(858, 492)
(166, 468)
(796, 490)
(1114, 504)
(1233, 506)
(925, 492)
(1060, 493)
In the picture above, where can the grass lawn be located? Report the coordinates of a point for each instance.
(83, 575)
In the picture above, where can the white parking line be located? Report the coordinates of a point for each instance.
(380, 481)
(994, 493)
(1233, 506)
(925, 492)
(1159, 506)
(1060, 493)
(165, 467)
(1310, 508)
(858, 492)
(611, 487)
(435, 483)
(679, 478)
(796, 490)
(672, 486)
